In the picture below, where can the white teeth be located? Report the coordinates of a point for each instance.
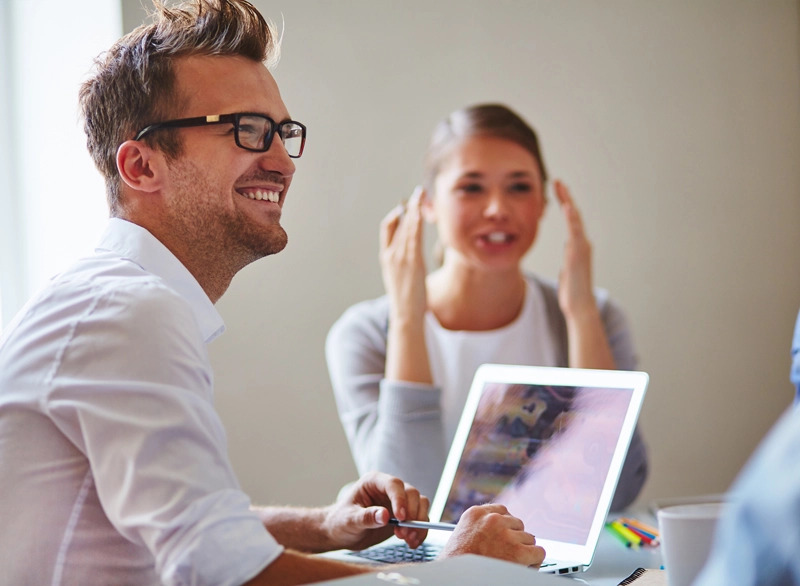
(260, 195)
(497, 237)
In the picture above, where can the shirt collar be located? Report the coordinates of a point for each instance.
(134, 243)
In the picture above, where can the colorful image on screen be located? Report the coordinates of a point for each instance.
(544, 452)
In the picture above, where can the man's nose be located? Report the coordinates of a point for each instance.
(276, 159)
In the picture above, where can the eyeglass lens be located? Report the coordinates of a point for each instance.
(252, 130)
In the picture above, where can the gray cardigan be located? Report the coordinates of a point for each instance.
(396, 427)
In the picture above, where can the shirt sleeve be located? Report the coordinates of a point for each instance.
(385, 421)
(132, 390)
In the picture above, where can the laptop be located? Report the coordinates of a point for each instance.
(547, 442)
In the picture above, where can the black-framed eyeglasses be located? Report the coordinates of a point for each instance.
(253, 132)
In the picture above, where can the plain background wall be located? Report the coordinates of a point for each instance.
(676, 125)
(51, 197)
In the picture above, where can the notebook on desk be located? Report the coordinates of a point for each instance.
(549, 443)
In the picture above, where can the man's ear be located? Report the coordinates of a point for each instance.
(139, 166)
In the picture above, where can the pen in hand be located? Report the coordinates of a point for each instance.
(422, 524)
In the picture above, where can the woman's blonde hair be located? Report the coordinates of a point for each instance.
(494, 120)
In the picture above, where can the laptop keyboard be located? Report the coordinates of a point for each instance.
(399, 553)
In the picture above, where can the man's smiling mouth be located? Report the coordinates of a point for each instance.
(262, 194)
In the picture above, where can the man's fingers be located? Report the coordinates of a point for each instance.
(376, 517)
(394, 490)
(536, 556)
(526, 538)
(416, 504)
(492, 508)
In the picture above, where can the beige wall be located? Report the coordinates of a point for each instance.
(677, 126)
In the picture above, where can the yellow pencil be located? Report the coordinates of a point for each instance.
(635, 540)
(617, 535)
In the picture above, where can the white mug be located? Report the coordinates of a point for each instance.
(687, 532)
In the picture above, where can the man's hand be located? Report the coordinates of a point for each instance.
(490, 530)
(360, 518)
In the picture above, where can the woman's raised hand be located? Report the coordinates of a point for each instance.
(402, 260)
(588, 344)
(575, 291)
(403, 270)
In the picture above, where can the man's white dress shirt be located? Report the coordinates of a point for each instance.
(113, 461)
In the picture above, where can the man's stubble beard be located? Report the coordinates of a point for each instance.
(215, 230)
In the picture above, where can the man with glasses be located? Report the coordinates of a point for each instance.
(113, 463)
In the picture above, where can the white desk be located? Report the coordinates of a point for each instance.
(613, 562)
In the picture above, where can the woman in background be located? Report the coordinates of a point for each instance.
(401, 365)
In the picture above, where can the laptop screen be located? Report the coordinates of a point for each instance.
(544, 451)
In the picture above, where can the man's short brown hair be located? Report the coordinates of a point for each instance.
(133, 84)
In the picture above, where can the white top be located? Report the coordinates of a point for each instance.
(113, 461)
(455, 355)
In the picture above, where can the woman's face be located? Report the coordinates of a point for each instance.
(487, 202)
